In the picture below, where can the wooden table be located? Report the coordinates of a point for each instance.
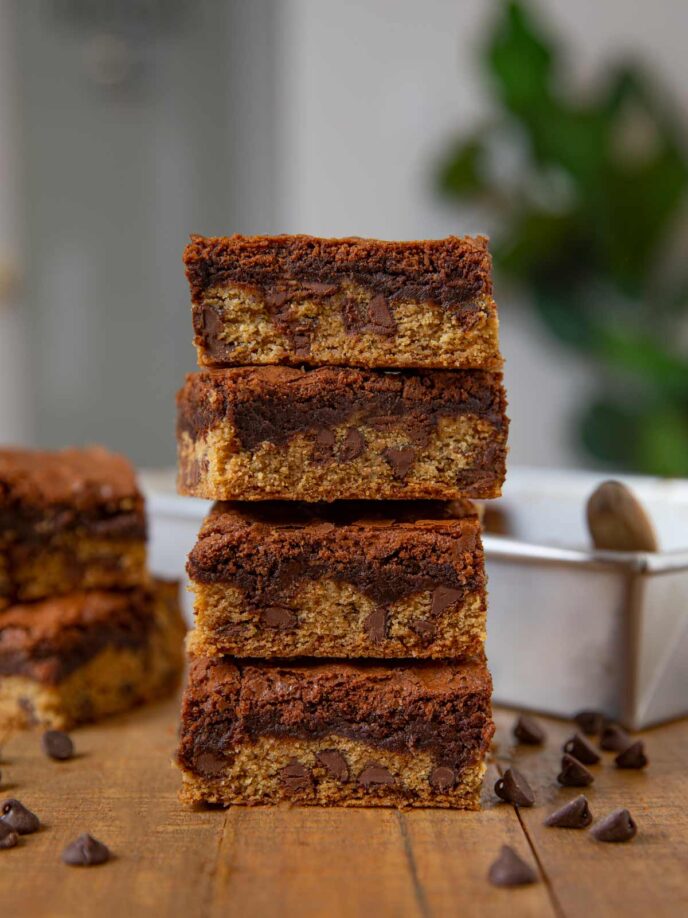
(305, 861)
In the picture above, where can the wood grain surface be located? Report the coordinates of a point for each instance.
(282, 861)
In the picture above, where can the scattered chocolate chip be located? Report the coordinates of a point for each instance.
(632, 757)
(325, 438)
(279, 617)
(573, 815)
(376, 626)
(528, 731)
(8, 837)
(590, 722)
(573, 773)
(379, 315)
(617, 827)
(57, 745)
(295, 776)
(581, 749)
(17, 817)
(442, 779)
(85, 851)
(399, 460)
(302, 345)
(209, 764)
(510, 870)
(443, 597)
(353, 445)
(320, 288)
(614, 738)
(514, 788)
(375, 775)
(335, 763)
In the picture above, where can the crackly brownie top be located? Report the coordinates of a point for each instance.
(47, 640)
(444, 271)
(440, 707)
(275, 403)
(48, 491)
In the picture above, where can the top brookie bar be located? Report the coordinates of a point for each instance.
(69, 520)
(355, 302)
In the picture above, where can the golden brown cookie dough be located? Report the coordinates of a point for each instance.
(349, 579)
(406, 734)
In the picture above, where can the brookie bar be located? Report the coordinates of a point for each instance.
(79, 657)
(341, 433)
(349, 579)
(357, 302)
(69, 520)
(406, 734)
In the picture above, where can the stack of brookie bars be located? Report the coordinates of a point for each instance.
(350, 401)
(84, 631)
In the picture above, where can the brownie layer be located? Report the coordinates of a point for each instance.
(435, 714)
(377, 579)
(112, 675)
(331, 433)
(451, 272)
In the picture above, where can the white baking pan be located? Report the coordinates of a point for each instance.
(568, 627)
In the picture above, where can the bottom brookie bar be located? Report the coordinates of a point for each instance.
(406, 734)
(80, 657)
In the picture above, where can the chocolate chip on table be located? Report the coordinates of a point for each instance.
(590, 722)
(514, 788)
(443, 597)
(335, 764)
(573, 773)
(632, 757)
(375, 776)
(376, 626)
(57, 745)
(614, 738)
(85, 851)
(511, 870)
(399, 460)
(573, 815)
(295, 776)
(618, 826)
(582, 750)
(442, 778)
(528, 731)
(17, 817)
(8, 837)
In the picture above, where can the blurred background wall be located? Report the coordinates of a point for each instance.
(125, 125)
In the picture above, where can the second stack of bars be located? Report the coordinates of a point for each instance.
(349, 405)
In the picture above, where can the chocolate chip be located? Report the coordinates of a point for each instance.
(376, 626)
(573, 773)
(85, 851)
(209, 764)
(354, 444)
(617, 827)
(424, 629)
(375, 775)
(208, 325)
(295, 776)
(514, 788)
(302, 345)
(379, 315)
(325, 438)
(442, 779)
(528, 731)
(57, 745)
(275, 299)
(17, 817)
(8, 837)
(614, 739)
(573, 815)
(510, 870)
(581, 749)
(632, 757)
(399, 460)
(590, 722)
(443, 597)
(320, 288)
(279, 618)
(335, 763)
